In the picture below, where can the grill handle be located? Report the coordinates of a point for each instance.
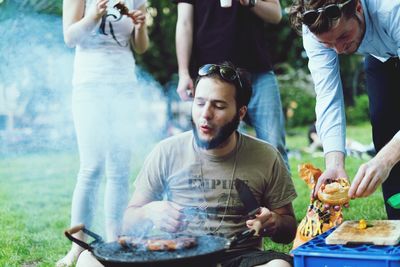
(80, 227)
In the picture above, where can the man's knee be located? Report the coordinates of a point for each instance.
(86, 259)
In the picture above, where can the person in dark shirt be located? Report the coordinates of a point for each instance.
(208, 33)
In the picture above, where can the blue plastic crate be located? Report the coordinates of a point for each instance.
(315, 253)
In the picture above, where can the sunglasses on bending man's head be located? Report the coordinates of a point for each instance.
(331, 11)
(225, 72)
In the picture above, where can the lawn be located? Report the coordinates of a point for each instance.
(36, 190)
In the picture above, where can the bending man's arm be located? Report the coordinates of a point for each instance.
(373, 173)
(330, 112)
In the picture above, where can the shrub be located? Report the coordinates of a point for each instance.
(359, 112)
(297, 94)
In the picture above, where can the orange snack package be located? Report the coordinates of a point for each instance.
(320, 216)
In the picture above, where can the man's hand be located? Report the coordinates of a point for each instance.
(278, 224)
(185, 87)
(373, 173)
(369, 176)
(265, 223)
(329, 174)
(334, 169)
(165, 215)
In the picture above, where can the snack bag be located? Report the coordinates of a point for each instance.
(321, 215)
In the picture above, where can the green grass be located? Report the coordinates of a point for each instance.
(35, 196)
(36, 191)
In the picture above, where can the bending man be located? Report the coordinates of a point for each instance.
(371, 28)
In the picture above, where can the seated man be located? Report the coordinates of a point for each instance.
(197, 169)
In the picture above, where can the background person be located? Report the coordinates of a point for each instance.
(371, 28)
(353, 147)
(208, 33)
(197, 169)
(103, 106)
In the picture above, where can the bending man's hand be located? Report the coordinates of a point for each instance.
(369, 176)
(373, 173)
(334, 169)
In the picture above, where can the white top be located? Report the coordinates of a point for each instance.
(106, 57)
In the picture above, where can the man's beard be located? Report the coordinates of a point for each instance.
(222, 135)
(360, 37)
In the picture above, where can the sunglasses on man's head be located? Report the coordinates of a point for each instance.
(332, 12)
(227, 73)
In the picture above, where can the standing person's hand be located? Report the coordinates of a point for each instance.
(165, 215)
(138, 17)
(369, 176)
(98, 9)
(185, 87)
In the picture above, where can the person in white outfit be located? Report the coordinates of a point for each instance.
(103, 105)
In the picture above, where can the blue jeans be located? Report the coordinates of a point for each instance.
(265, 113)
(383, 85)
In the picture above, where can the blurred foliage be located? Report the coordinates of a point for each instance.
(160, 59)
(359, 111)
(351, 68)
(298, 98)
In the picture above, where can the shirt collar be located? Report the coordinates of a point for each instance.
(369, 33)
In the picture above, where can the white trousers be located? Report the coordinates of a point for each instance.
(104, 119)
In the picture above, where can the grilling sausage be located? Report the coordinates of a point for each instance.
(158, 244)
(171, 244)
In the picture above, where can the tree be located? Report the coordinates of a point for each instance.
(160, 60)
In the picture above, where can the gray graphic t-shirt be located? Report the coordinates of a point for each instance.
(178, 171)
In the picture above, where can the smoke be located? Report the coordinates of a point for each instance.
(35, 89)
(33, 82)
